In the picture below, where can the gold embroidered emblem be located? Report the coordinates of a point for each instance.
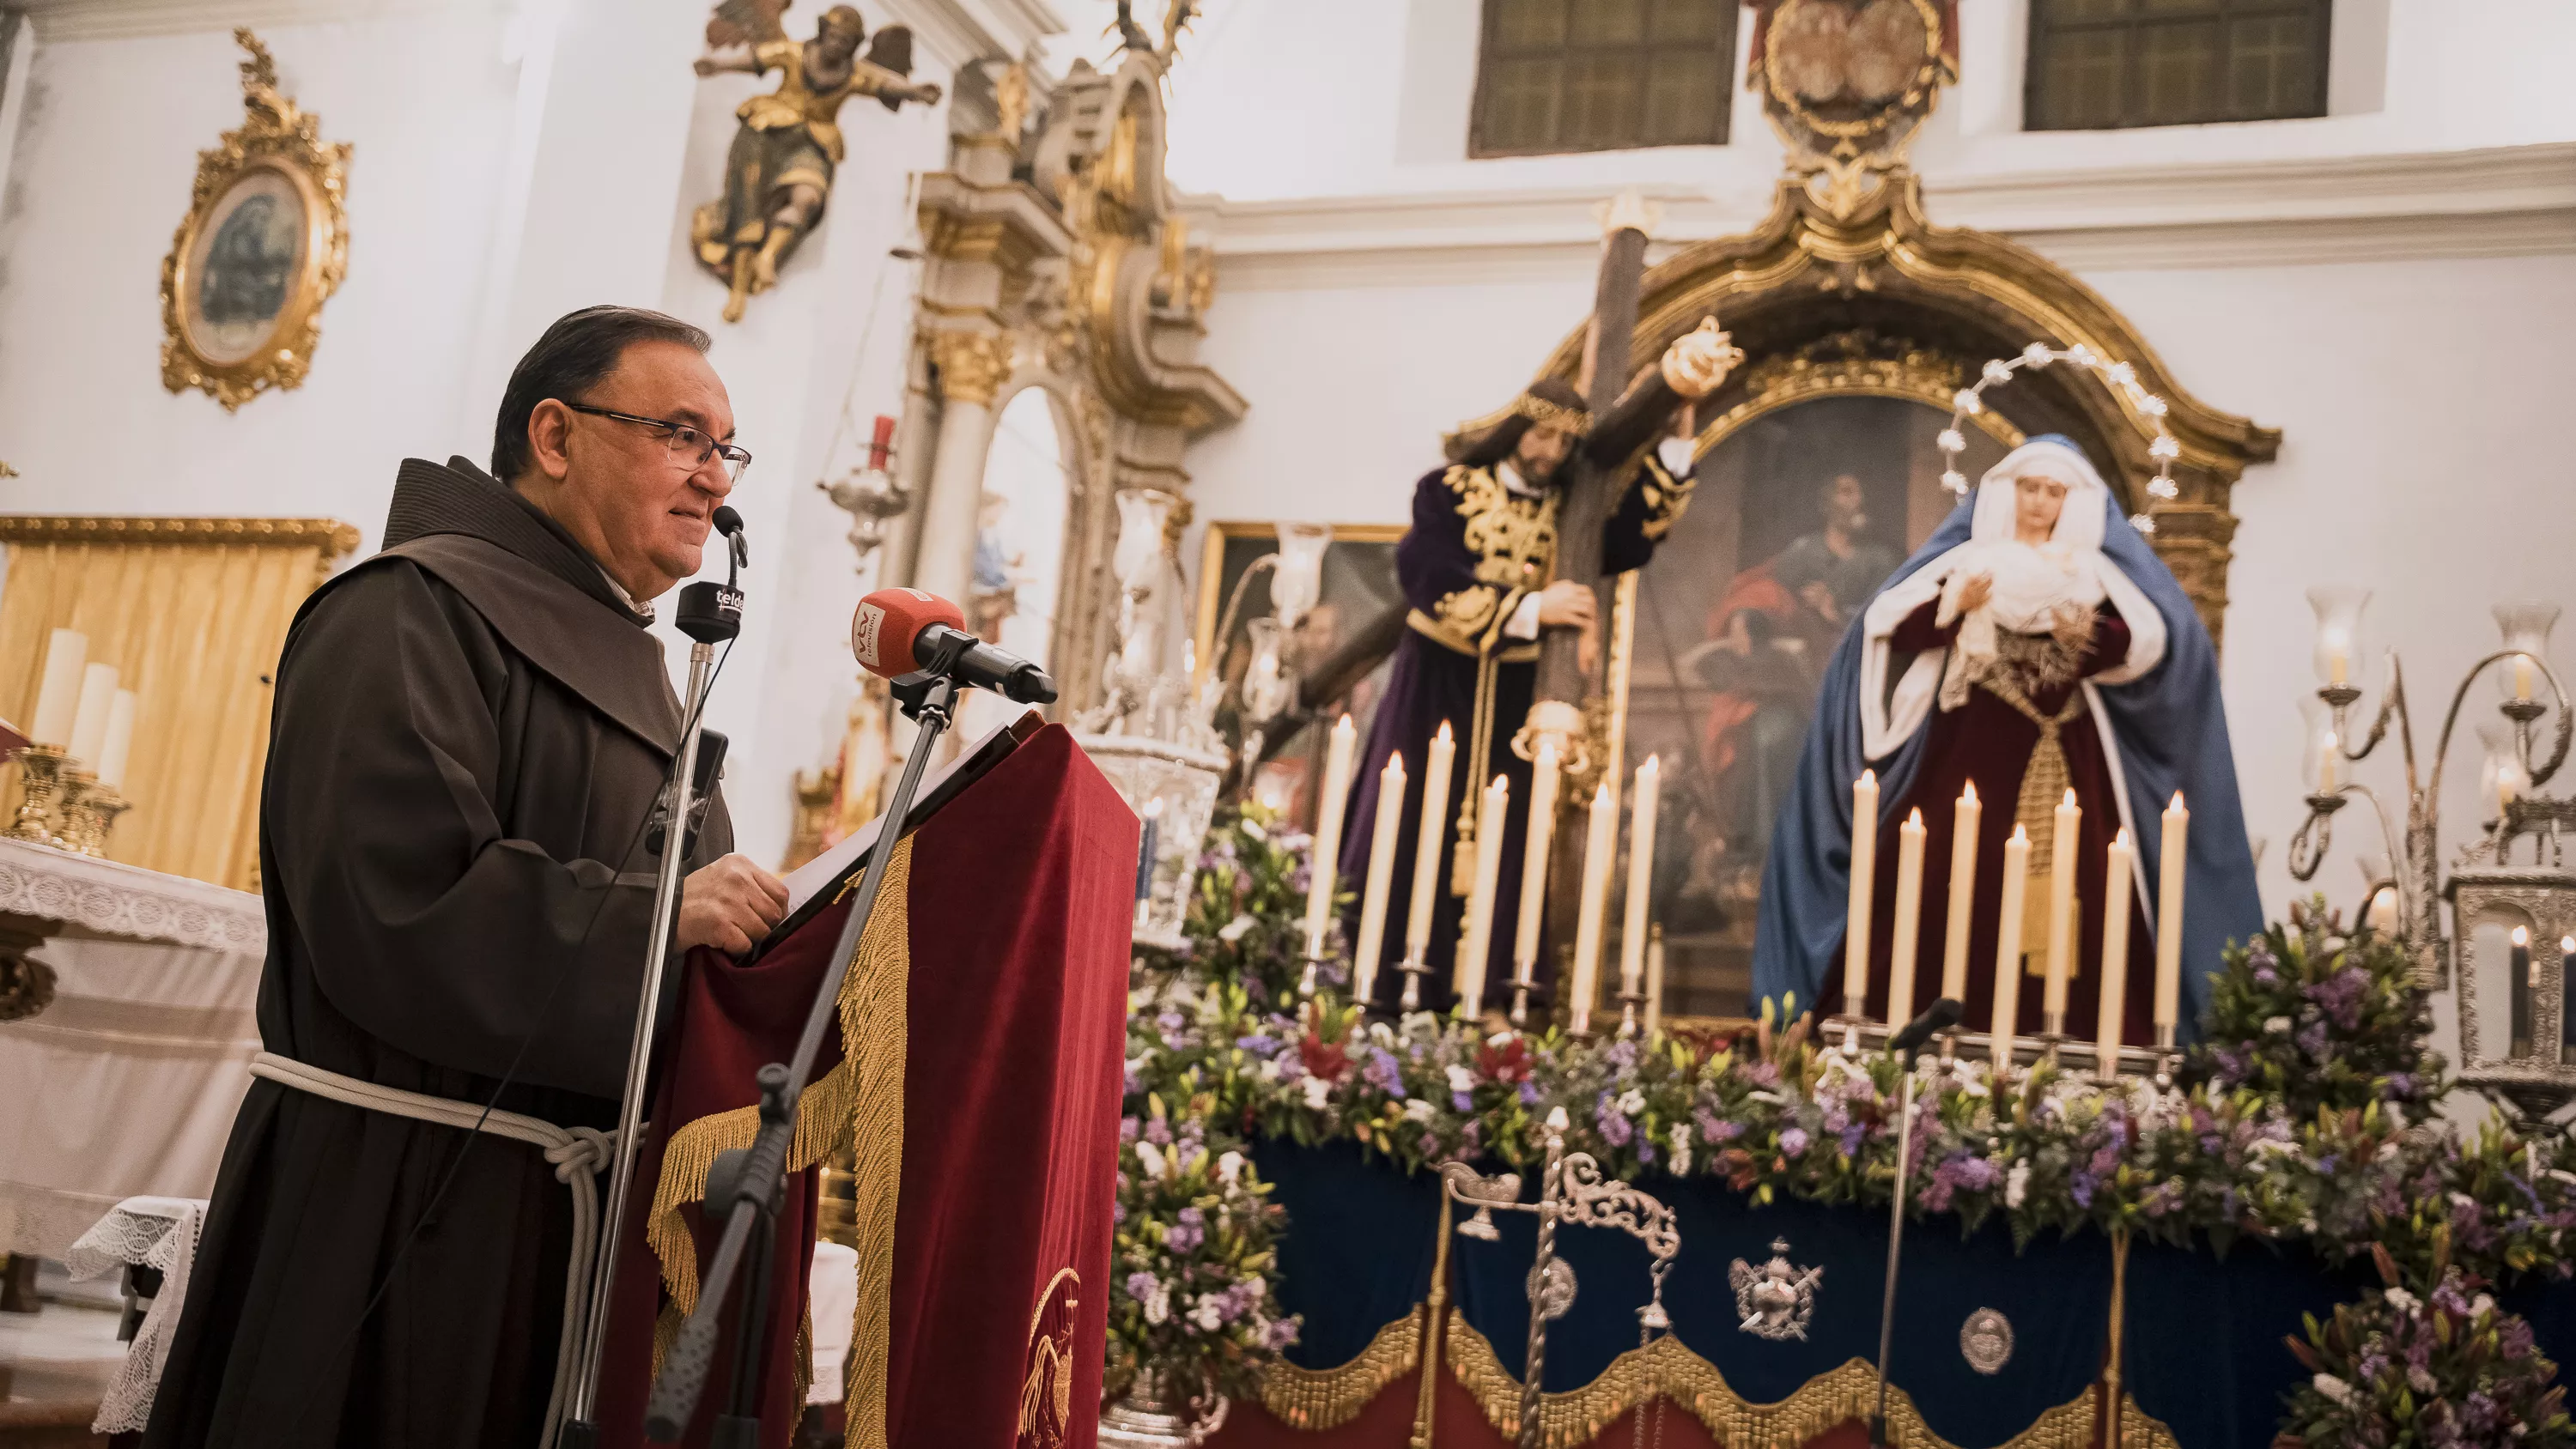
(1046, 1391)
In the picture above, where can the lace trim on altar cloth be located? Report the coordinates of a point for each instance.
(150, 1232)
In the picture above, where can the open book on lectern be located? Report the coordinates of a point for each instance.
(819, 882)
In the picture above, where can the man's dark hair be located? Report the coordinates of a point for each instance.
(579, 350)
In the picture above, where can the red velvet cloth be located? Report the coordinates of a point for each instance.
(1020, 909)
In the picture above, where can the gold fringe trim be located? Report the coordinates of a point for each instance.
(1320, 1399)
(857, 1105)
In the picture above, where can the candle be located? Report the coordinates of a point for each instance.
(2522, 678)
(2116, 886)
(2567, 998)
(1963, 893)
(1864, 872)
(1427, 874)
(1322, 865)
(59, 695)
(2383, 910)
(2007, 1018)
(1147, 846)
(2169, 921)
(2338, 652)
(1907, 926)
(2524, 975)
(2061, 908)
(1478, 945)
(89, 721)
(120, 740)
(1542, 832)
(1600, 842)
(2326, 765)
(1641, 877)
(1381, 878)
(1655, 978)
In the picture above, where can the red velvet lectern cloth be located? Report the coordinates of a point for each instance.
(977, 1073)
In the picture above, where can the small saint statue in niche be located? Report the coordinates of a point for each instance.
(778, 175)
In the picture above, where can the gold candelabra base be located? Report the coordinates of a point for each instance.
(41, 770)
(89, 814)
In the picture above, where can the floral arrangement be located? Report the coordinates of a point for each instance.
(2303, 1114)
(2445, 1368)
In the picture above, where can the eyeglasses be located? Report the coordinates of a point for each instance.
(687, 444)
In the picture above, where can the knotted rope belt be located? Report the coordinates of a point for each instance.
(2043, 784)
(577, 1154)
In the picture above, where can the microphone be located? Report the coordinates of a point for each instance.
(729, 523)
(1940, 1016)
(905, 631)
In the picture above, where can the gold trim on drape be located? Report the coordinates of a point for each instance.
(858, 1105)
(1321, 1399)
(192, 612)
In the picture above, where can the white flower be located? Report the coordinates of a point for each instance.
(2421, 1380)
(2403, 1301)
(1208, 1316)
(1318, 1092)
(2481, 1306)
(1382, 1034)
(2276, 1026)
(1152, 1156)
(1158, 1309)
(1229, 1168)
(1461, 1079)
(1418, 1109)
(1501, 1039)
(1556, 1119)
(1233, 930)
(1632, 1102)
(1255, 1286)
(1268, 1071)
(1681, 1142)
(2333, 1388)
(2016, 1184)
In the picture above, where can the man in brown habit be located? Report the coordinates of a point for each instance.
(471, 729)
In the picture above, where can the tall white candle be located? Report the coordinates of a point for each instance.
(1477, 946)
(1963, 893)
(1322, 866)
(1906, 928)
(2522, 678)
(1655, 978)
(1542, 831)
(1434, 832)
(2007, 1015)
(1600, 842)
(1864, 880)
(2326, 764)
(1641, 877)
(89, 721)
(2169, 919)
(2062, 855)
(1381, 879)
(2118, 886)
(120, 740)
(58, 696)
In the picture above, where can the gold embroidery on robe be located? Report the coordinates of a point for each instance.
(1514, 540)
(1666, 498)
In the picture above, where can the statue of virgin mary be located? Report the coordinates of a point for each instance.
(2034, 645)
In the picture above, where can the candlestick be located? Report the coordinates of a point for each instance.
(1476, 948)
(66, 650)
(89, 721)
(1864, 872)
(2177, 829)
(2117, 885)
(2522, 678)
(1655, 978)
(1641, 876)
(2016, 882)
(1599, 843)
(120, 742)
(1963, 893)
(1323, 866)
(2522, 976)
(1907, 926)
(1542, 831)
(1148, 842)
(1381, 879)
(2061, 912)
(2567, 999)
(1433, 833)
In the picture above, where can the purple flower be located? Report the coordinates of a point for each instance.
(2312, 1039)
(1183, 1238)
(1793, 1142)
(1141, 1285)
(1462, 1101)
(1713, 1130)
(1128, 1127)
(1259, 1043)
(2080, 1187)
(1849, 1139)
(1171, 1022)
(1283, 1333)
(1159, 1132)
(1383, 1073)
(1529, 1094)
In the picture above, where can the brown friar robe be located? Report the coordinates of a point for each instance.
(471, 728)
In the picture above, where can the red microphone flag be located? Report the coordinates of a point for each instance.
(888, 621)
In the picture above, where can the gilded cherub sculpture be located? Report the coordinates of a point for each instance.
(778, 175)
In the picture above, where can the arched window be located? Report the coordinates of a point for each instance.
(2103, 64)
(1601, 75)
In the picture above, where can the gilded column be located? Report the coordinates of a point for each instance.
(969, 369)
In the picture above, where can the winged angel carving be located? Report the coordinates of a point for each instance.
(778, 176)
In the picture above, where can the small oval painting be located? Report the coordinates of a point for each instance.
(243, 266)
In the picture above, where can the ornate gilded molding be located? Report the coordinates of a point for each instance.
(276, 157)
(1857, 363)
(333, 537)
(1319, 1399)
(972, 366)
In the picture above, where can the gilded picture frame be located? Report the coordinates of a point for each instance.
(264, 245)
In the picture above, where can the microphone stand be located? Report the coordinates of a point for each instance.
(749, 1185)
(708, 614)
(1896, 1225)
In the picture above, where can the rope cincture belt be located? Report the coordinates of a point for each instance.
(577, 1154)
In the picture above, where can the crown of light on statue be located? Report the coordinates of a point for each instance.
(2123, 380)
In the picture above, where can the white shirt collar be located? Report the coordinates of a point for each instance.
(641, 611)
(1514, 483)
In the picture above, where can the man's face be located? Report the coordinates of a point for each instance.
(838, 38)
(643, 508)
(2037, 502)
(1542, 449)
(1844, 505)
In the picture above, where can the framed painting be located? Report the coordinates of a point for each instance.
(1359, 585)
(264, 245)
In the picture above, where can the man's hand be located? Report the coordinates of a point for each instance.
(1820, 598)
(1974, 593)
(1566, 603)
(1699, 360)
(730, 905)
